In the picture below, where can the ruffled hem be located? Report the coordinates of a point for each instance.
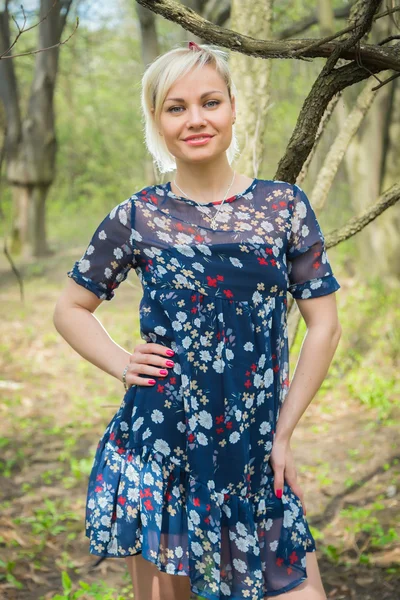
(230, 545)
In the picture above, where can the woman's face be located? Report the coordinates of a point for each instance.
(198, 104)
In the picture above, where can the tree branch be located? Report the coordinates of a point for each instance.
(373, 57)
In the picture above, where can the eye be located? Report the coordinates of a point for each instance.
(172, 109)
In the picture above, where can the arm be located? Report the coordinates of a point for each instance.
(317, 350)
(104, 265)
(74, 320)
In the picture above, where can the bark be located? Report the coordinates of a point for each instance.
(31, 140)
(252, 111)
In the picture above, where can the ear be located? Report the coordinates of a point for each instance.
(233, 104)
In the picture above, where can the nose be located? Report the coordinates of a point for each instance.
(195, 117)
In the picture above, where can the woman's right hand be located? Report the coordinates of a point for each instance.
(149, 359)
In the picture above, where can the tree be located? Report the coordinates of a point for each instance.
(30, 147)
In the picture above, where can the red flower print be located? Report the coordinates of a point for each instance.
(191, 437)
(316, 265)
(293, 557)
(279, 562)
(99, 477)
(197, 502)
(206, 520)
(273, 262)
(121, 450)
(289, 570)
(229, 425)
(194, 310)
(247, 383)
(147, 492)
(219, 419)
(253, 367)
(160, 388)
(148, 505)
(220, 430)
(220, 277)
(275, 368)
(112, 436)
(211, 282)
(268, 250)
(261, 260)
(168, 496)
(274, 206)
(172, 380)
(98, 489)
(208, 507)
(228, 293)
(121, 500)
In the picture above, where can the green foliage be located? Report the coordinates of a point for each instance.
(95, 591)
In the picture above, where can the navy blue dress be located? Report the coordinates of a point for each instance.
(182, 472)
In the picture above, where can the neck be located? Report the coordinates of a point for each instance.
(205, 183)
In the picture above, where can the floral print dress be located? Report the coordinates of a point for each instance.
(182, 473)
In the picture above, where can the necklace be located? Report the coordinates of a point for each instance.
(213, 220)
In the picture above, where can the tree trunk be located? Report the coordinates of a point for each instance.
(252, 18)
(31, 141)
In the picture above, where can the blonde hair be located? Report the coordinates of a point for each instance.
(159, 76)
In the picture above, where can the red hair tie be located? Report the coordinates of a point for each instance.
(193, 46)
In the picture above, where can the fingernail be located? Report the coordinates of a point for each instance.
(169, 363)
(279, 493)
(152, 381)
(163, 372)
(170, 352)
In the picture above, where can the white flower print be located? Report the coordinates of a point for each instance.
(205, 419)
(236, 262)
(196, 549)
(248, 347)
(239, 565)
(184, 249)
(84, 265)
(159, 330)
(265, 427)
(137, 423)
(218, 365)
(202, 439)
(268, 378)
(273, 545)
(162, 447)
(198, 267)
(157, 416)
(234, 437)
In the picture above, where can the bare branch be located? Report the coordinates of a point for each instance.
(2, 57)
(356, 224)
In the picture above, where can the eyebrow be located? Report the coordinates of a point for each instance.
(201, 97)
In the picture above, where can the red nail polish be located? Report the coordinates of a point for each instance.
(169, 363)
(170, 352)
(152, 381)
(279, 493)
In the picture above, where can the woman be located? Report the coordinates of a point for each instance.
(194, 481)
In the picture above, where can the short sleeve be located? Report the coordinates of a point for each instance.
(309, 271)
(107, 260)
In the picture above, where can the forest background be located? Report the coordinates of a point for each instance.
(55, 405)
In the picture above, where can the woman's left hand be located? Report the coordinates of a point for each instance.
(282, 463)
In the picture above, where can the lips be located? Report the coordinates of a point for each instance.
(197, 137)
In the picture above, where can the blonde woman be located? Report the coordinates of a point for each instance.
(193, 481)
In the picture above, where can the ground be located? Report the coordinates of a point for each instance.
(55, 407)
